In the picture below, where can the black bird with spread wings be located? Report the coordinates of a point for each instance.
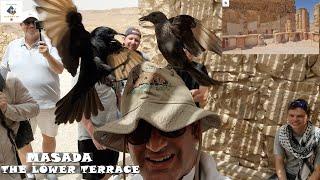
(184, 32)
(99, 51)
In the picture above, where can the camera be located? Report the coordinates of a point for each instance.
(38, 24)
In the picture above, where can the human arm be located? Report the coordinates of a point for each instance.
(87, 124)
(55, 65)
(279, 153)
(316, 173)
(200, 95)
(279, 165)
(23, 106)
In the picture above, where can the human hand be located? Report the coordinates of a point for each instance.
(43, 49)
(3, 102)
(98, 145)
(199, 95)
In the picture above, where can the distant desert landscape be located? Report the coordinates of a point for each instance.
(118, 19)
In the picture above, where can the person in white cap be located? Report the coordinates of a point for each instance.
(37, 64)
(161, 127)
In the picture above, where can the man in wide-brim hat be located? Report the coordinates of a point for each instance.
(161, 127)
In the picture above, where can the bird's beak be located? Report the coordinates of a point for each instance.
(121, 34)
(144, 18)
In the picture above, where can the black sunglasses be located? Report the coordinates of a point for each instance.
(142, 133)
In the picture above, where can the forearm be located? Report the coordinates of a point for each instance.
(21, 112)
(281, 173)
(54, 64)
(23, 106)
(88, 125)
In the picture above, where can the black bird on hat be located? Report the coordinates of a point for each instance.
(184, 32)
(100, 53)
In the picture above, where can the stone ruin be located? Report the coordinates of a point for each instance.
(316, 16)
(245, 21)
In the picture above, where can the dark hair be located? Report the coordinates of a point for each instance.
(299, 103)
(29, 20)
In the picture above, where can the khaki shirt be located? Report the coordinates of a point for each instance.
(20, 107)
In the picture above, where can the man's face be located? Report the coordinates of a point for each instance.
(297, 119)
(167, 158)
(29, 28)
(132, 41)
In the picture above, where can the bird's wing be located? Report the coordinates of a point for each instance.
(77, 104)
(127, 58)
(58, 15)
(195, 37)
(64, 27)
(82, 99)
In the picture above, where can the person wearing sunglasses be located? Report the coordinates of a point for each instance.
(296, 145)
(161, 127)
(37, 64)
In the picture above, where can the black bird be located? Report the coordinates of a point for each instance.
(97, 50)
(184, 32)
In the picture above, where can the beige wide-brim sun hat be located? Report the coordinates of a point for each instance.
(158, 96)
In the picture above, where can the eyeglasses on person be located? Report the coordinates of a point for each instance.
(142, 133)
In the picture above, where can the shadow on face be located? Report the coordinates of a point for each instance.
(164, 155)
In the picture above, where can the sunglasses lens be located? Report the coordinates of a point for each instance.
(141, 134)
(29, 22)
(173, 134)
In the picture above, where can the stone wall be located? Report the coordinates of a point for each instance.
(253, 99)
(208, 11)
(240, 41)
(253, 103)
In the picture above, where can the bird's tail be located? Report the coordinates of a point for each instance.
(76, 103)
(201, 77)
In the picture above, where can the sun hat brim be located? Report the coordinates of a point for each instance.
(168, 117)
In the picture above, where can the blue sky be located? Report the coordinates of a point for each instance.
(308, 4)
(93, 4)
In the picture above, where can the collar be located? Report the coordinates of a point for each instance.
(34, 45)
(190, 175)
